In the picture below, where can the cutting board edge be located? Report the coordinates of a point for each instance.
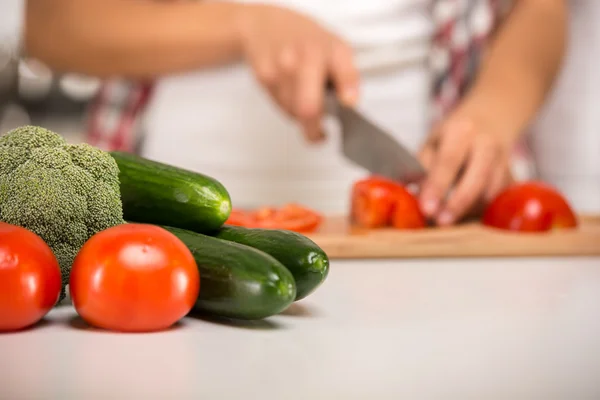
(466, 241)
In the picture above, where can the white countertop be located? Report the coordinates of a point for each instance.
(429, 329)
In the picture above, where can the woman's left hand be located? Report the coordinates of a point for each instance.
(467, 157)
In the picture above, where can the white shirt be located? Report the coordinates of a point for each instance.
(11, 26)
(220, 122)
(383, 32)
(565, 140)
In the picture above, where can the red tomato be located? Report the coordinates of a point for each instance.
(378, 202)
(30, 280)
(407, 212)
(291, 217)
(529, 207)
(239, 218)
(372, 202)
(134, 278)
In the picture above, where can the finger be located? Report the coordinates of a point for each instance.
(426, 156)
(284, 96)
(288, 60)
(454, 145)
(472, 184)
(313, 130)
(427, 153)
(498, 180)
(287, 63)
(265, 69)
(267, 73)
(309, 85)
(344, 74)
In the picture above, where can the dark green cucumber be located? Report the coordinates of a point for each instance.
(307, 262)
(237, 281)
(156, 193)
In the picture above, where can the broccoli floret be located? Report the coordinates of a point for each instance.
(65, 193)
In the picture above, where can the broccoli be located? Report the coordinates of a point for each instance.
(65, 193)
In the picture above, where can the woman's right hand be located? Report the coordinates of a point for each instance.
(293, 57)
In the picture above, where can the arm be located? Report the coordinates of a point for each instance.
(290, 54)
(523, 60)
(471, 148)
(135, 39)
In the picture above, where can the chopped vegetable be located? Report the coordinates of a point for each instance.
(290, 217)
(64, 193)
(380, 202)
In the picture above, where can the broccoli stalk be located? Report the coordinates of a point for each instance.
(64, 193)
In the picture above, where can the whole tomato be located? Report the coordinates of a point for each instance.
(378, 202)
(529, 207)
(30, 280)
(134, 278)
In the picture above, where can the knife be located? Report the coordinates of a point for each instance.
(370, 147)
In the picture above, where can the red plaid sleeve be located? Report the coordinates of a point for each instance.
(463, 31)
(114, 114)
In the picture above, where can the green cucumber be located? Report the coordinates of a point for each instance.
(161, 194)
(307, 262)
(237, 281)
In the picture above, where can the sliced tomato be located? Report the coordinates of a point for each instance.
(377, 202)
(530, 207)
(407, 212)
(291, 217)
(372, 202)
(239, 218)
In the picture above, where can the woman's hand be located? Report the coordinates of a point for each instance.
(292, 56)
(467, 157)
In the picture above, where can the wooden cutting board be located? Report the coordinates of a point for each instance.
(342, 241)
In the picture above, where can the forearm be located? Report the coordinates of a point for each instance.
(135, 39)
(522, 63)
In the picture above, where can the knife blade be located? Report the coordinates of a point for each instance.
(370, 147)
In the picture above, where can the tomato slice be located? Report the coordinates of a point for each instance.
(291, 217)
(530, 207)
(239, 218)
(372, 202)
(407, 213)
(378, 202)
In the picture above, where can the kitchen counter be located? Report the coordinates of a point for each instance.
(407, 329)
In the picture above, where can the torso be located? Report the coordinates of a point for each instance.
(220, 122)
(565, 140)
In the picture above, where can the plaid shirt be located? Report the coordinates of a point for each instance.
(462, 31)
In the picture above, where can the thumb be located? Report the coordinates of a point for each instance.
(426, 155)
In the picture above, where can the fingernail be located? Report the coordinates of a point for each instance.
(429, 206)
(349, 96)
(319, 139)
(445, 218)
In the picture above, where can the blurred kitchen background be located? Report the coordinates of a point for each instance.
(35, 95)
(32, 94)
